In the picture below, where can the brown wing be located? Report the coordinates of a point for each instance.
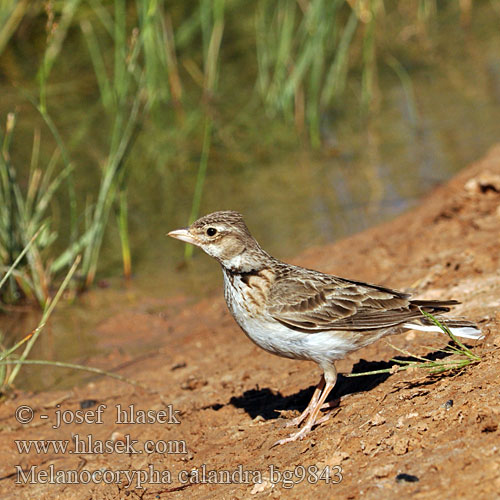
(315, 302)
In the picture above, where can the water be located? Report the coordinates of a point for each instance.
(292, 198)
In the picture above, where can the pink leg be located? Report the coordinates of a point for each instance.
(330, 377)
(298, 420)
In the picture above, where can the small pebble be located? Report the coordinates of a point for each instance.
(406, 478)
(448, 404)
(87, 403)
(193, 383)
(182, 364)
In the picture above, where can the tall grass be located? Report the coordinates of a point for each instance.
(304, 54)
(141, 56)
(11, 15)
(306, 51)
(122, 96)
(25, 214)
(212, 23)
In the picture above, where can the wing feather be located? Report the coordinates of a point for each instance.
(314, 302)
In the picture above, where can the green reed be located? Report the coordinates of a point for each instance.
(122, 100)
(24, 215)
(307, 50)
(139, 61)
(212, 27)
(302, 54)
(11, 15)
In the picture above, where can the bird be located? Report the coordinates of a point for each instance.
(303, 314)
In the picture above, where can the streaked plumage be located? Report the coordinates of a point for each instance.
(299, 313)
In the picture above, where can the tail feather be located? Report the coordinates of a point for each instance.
(458, 327)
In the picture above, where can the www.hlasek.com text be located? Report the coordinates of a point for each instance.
(89, 445)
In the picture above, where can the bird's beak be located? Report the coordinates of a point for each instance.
(183, 235)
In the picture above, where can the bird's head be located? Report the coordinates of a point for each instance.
(224, 236)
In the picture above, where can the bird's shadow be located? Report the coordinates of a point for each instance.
(269, 404)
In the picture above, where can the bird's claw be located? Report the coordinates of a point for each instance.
(293, 437)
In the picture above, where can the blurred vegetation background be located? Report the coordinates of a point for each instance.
(123, 119)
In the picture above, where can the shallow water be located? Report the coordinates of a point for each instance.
(292, 198)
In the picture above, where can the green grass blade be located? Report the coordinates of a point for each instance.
(19, 257)
(60, 364)
(200, 179)
(45, 316)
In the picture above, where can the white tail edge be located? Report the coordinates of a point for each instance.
(466, 332)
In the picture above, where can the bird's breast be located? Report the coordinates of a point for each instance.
(247, 304)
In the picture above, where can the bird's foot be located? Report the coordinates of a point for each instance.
(330, 405)
(295, 436)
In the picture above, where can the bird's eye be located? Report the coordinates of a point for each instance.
(211, 231)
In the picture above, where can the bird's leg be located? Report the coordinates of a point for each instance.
(327, 406)
(298, 420)
(330, 375)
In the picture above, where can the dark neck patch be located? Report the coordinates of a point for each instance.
(244, 276)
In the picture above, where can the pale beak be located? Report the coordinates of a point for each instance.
(183, 235)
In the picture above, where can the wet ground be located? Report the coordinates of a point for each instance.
(409, 434)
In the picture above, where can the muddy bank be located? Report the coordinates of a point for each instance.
(217, 403)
